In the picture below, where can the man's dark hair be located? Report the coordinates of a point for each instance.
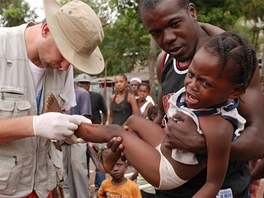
(151, 4)
(144, 85)
(152, 112)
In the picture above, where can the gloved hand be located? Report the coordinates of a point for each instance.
(72, 139)
(55, 125)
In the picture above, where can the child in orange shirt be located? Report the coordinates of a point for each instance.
(119, 186)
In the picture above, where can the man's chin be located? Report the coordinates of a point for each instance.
(182, 57)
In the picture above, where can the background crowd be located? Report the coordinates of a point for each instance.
(42, 104)
(93, 106)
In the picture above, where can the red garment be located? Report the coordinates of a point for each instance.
(254, 185)
(34, 195)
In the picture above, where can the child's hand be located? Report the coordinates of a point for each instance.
(183, 134)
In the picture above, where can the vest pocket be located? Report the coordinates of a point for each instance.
(13, 102)
(22, 108)
(10, 170)
(6, 108)
(9, 108)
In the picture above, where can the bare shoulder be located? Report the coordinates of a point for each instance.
(251, 105)
(112, 97)
(210, 29)
(131, 96)
(208, 126)
(159, 65)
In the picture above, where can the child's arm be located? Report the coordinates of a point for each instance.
(100, 192)
(134, 176)
(145, 113)
(111, 109)
(132, 101)
(218, 140)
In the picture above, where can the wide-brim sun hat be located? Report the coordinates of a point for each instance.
(77, 32)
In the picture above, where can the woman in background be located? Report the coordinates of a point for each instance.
(123, 103)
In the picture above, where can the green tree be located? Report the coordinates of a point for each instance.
(15, 12)
(222, 13)
(126, 41)
(254, 12)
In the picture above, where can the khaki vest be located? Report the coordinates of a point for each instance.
(27, 164)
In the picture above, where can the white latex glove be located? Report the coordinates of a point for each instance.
(72, 139)
(55, 125)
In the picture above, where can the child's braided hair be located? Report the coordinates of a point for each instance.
(234, 51)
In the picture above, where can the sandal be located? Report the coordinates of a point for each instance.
(96, 150)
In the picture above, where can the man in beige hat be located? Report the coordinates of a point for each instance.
(36, 59)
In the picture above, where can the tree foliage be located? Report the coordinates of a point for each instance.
(254, 12)
(227, 14)
(126, 41)
(15, 12)
(222, 13)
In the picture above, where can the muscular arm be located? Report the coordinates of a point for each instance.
(250, 144)
(161, 112)
(258, 171)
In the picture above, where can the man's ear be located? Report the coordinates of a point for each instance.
(238, 91)
(192, 11)
(45, 30)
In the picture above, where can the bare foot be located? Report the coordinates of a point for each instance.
(105, 157)
(109, 158)
(52, 104)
